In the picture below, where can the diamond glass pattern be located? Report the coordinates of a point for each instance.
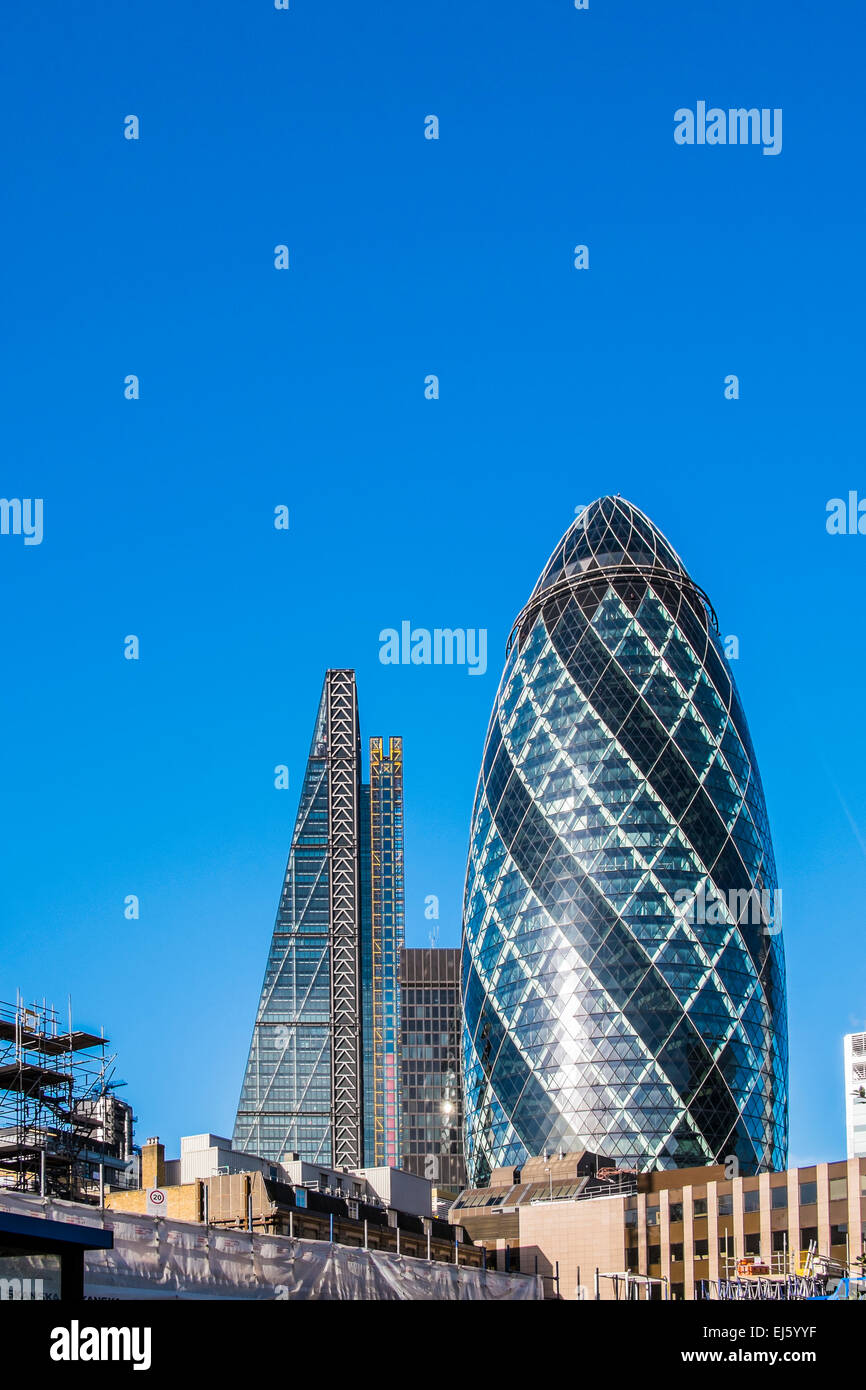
(622, 990)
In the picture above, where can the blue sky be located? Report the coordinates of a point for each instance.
(306, 388)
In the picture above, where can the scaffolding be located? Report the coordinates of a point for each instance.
(762, 1288)
(56, 1103)
(785, 1276)
(627, 1286)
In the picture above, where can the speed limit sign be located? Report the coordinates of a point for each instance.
(155, 1201)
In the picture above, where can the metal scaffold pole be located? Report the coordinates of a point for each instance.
(56, 1103)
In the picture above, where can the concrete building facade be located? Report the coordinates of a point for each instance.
(575, 1217)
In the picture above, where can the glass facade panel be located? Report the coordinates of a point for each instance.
(323, 1078)
(381, 951)
(286, 1099)
(432, 1095)
(623, 970)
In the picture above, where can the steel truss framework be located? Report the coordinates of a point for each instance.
(343, 799)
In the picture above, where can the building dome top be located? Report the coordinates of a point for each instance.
(611, 540)
(609, 534)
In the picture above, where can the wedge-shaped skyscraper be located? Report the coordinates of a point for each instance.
(330, 997)
(623, 972)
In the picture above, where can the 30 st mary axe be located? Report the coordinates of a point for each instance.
(605, 1007)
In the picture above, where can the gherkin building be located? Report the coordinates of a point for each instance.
(623, 972)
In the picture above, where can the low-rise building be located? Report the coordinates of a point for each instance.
(387, 1187)
(375, 1208)
(55, 1248)
(584, 1225)
(209, 1156)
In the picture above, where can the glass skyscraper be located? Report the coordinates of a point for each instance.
(327, 996)
(432, 1092)
(623, 971)
(386, 921)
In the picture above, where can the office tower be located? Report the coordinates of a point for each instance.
(302, 1091)
(308, 1088)
(623, 971)
(855, 1094)
(383, 942)
(432, 1091)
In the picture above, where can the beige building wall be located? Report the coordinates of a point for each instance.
(739, 1219)
(822, 1173)
(711, 1264)
(793, 1218)
(766, 1232)
(582, 1235)
(665, 1242)
(181, 1203)
(642, 1233)
(855, 1207)
(688, 1243)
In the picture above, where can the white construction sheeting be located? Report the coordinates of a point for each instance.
(160, 1258)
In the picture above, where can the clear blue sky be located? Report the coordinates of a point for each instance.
(258, 387)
